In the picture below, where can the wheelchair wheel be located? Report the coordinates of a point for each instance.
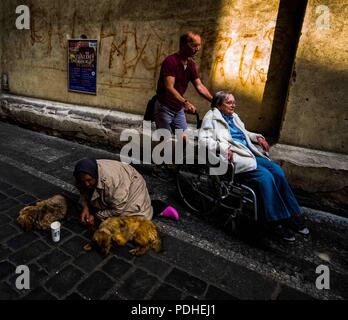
(200, 191)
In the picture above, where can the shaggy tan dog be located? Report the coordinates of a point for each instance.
(43, 213)
(120, 230)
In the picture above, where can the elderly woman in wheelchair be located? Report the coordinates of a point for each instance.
(253, 176)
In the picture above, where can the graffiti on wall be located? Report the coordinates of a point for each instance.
(134, 55)
(46, 28)
(131, 52)
(242, 58)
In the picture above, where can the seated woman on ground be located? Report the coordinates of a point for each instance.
(222, 129)
(111, 188)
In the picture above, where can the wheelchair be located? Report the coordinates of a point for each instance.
(205, 194)
(215, 195)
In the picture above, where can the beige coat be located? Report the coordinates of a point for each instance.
(121, 191)
(215, 135)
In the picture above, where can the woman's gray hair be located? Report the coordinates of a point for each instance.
(219, 98)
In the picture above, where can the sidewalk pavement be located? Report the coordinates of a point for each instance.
(200, 261)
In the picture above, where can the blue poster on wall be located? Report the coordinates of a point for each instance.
(82, 65)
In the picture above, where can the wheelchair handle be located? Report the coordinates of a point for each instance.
(198, 120)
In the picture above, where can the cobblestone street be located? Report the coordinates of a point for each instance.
(200, 259)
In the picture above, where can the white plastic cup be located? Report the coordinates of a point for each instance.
(55, 230)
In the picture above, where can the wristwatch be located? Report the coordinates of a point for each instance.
(185, 101)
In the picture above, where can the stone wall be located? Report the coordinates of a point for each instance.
(316, 114)
(319, 178)
(77, 122)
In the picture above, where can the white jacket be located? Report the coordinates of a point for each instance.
(215, 135)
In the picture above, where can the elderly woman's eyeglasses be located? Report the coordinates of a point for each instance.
(231, 103)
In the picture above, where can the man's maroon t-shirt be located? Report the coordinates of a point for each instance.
(172, 66)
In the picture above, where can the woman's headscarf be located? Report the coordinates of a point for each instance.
(88, 166)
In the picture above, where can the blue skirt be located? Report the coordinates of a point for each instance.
(276, 200)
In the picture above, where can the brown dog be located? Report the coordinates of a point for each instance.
(43, 213)
(120, 230)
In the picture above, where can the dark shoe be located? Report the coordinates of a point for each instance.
(284, 233)
(298, 226)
